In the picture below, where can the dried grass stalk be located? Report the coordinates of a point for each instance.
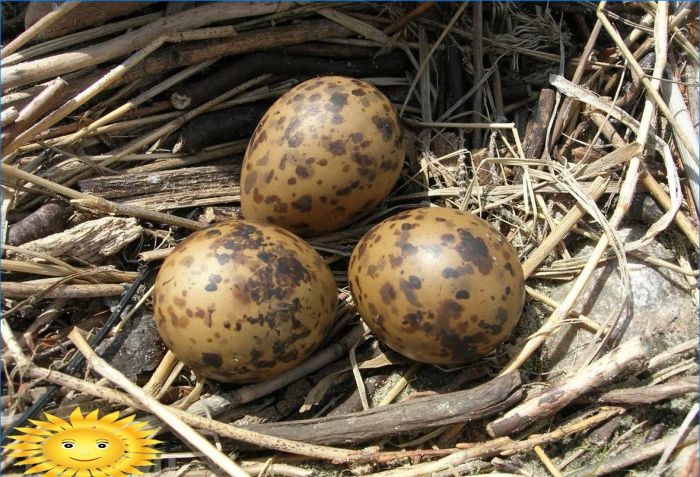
(37, 70)
(38, 27)
(183, 430)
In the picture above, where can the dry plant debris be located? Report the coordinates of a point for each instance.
(570, 127)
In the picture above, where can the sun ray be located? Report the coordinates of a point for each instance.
(138, 425)
(148, 442)
(92, 417)
(76, 417)
(42, 467)
(57, 420)
(23, 446)
(26, 453)
(31, 460)
(85, 445)
(132, 470)
(53, 472)
(112, 472)
(46, 425)
(34, 431)
(142, 457)
(150, 451)
(110, 418)
(25, 438)
(144, 433)
(124, 421)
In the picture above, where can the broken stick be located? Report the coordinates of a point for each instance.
(410, 415)
(51, 66)
(628, 357)
(36, 108)
(535, 133)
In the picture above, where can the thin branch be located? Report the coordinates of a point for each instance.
(30, 33)
(186, 433)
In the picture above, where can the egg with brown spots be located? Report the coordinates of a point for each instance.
(325, 152)
(437, 285)
(242, 301)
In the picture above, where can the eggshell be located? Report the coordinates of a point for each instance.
(242, 301)
(325, 152)
(437, 285)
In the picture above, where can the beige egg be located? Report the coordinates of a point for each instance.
(437, 285)
(242, 301)
(325, 152)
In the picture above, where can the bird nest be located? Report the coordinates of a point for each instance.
(571, 128)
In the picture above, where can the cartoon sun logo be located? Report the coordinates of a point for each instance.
(84, 447)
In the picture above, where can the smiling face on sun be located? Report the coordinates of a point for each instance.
(83, 449)
(85, 445)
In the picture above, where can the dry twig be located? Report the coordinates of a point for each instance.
(38, 27)
(184, 431)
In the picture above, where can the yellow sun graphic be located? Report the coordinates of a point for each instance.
(85, 447)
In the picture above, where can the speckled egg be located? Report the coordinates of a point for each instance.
(242, 301)
(437, 285)
(325, 152)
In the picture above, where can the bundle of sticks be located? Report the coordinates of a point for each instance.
(123, 130)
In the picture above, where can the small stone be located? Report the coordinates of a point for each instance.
(662, 308)
(136, 350)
